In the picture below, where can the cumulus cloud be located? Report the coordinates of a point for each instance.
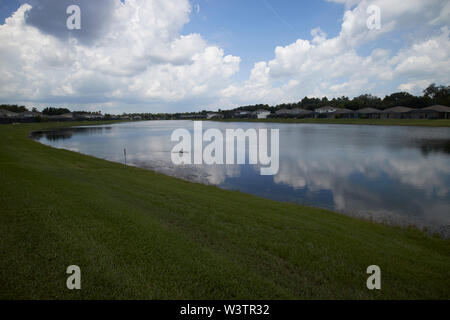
(50, 17)
(138, 56)
(338, 167)
(334, 67)
(133, 53)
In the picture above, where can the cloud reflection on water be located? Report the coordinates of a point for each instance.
(393, 174)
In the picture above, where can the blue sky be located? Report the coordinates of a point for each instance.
(6, 8)
(252, 29)
(186, 55)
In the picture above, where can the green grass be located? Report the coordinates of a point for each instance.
(380, 122)
(140, 234)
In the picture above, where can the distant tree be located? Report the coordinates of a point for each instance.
(437, 94)
(404, 99)
(324, 102)
(13, 108)
(310, 103)
(363, 101)
(50, 111)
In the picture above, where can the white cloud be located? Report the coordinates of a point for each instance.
(333, 66)
(141, 59)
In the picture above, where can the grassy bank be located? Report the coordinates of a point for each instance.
(139, 234)
(379, 122)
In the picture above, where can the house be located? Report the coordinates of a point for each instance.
(326, 109)
(368, 113)
(331, 112)
(67, 116)
(399, 112)
(192, 116)
(301, 113)
(7, 114)
(298, 111)
(242, 114)
(424, 114)
(294, 113)
(212, 115)
(62, 117)
(262, 114)
(89, 116)
(29, 114)
(437, 112)
(282, 112)
(342, 113)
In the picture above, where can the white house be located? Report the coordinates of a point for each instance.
(213, 115)
(326, 109)
(262, 114)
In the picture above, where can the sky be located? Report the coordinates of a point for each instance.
(180, 55)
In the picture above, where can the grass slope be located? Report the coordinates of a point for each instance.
(380, 122)
(139, 234)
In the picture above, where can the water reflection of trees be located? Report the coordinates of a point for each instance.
(434, 146)
(67, 133)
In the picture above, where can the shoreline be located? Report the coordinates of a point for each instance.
(432, 231)
(162, 234)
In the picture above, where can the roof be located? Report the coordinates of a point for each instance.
(66, 115)
(326, 109)
(368, 110)
(7, 113)
(343, 110)
(282, 111)
(29, 114)
(398, 109)
(90, 116)
(300, 111)
(293, 111)
(438, 108)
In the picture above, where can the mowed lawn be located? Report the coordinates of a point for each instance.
(139, 234)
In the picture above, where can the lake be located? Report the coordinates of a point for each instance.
(398, 175)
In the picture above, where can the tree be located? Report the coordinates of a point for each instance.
(13, 108)
(55, 111)
(437, 94)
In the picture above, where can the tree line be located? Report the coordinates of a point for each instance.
(432, 95)
(49, 111)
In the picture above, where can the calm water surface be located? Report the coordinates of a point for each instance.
(398, 175)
